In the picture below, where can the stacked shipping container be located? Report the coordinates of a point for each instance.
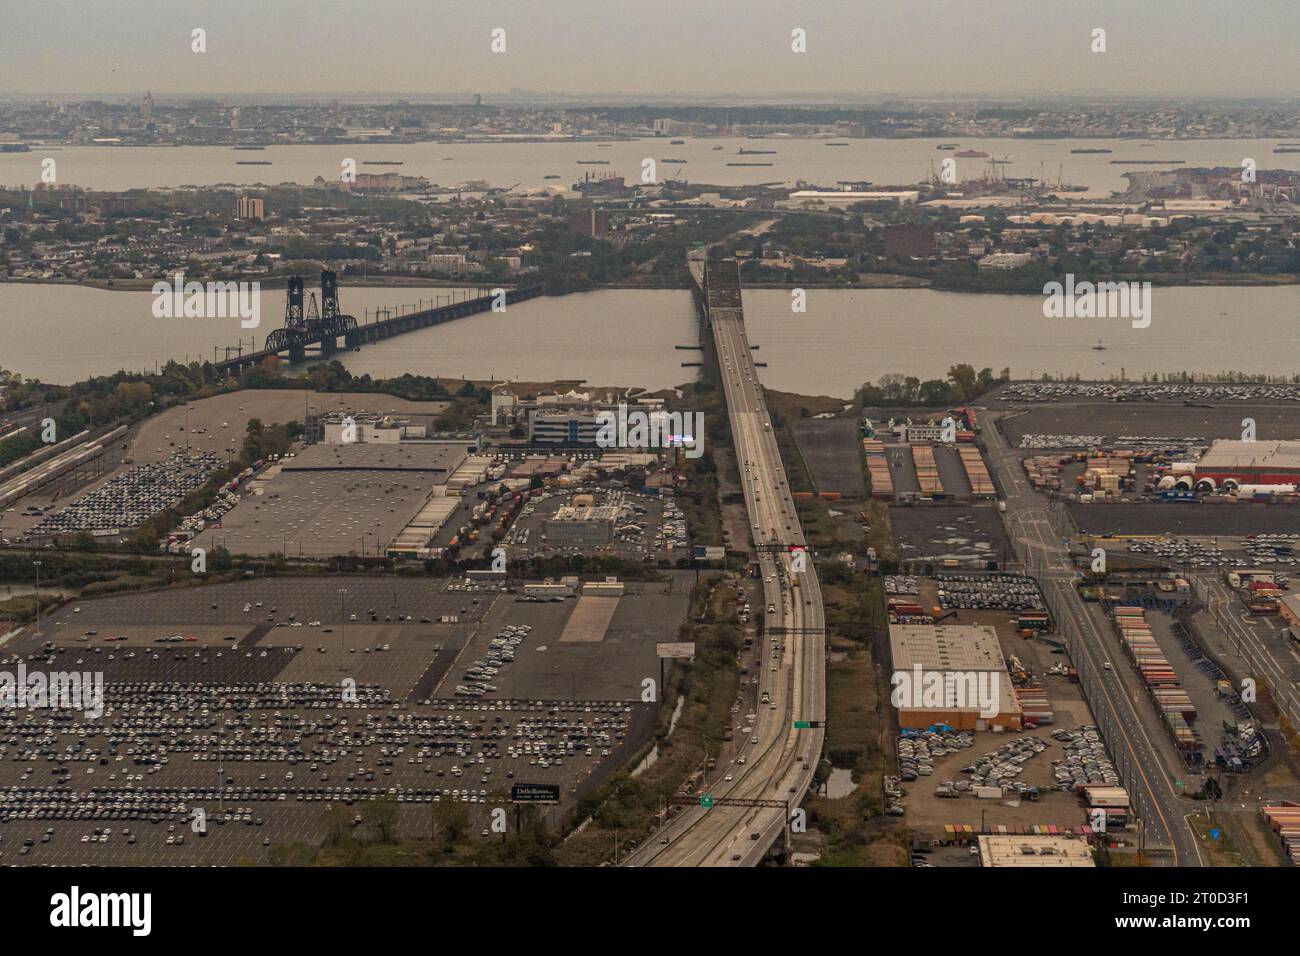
(1158, 675)
(977, 473)
(1284, 819)
(882, 482)
(927, 472)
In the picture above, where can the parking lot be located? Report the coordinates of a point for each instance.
(648, 527)
(267, 703)
(131, 496)
(217, 423)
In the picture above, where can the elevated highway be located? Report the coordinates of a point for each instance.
(736, 821)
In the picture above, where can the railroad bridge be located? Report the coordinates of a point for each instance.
(307, 324)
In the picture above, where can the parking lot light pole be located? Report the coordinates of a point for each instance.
(38, 597)
(343, 626)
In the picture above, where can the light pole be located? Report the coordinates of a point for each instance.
(343, 627)
(38, 597)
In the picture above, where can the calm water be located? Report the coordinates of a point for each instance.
(881, 161)
(626, 337)
(65, 333)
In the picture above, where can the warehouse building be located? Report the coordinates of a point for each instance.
(1230, 464)
(1035, 851)
(951, 675)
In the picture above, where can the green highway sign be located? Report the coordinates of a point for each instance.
(706, 801)
(806, 724)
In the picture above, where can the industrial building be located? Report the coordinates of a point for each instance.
(966, 662)
(1232, 464)
(369, 428)
(581, 527)
(1037, 851)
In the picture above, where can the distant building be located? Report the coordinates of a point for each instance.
(907, 241)
(590, 222)
(388, 182)
(571, 426)
(250, 207)
(1005, 260)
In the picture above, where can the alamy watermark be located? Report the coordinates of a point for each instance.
(55, 690)
(654, 429)
(1098, 300)
(208, 300)
(920, 689)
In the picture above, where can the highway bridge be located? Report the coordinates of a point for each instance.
(306, 325)
(735, 822)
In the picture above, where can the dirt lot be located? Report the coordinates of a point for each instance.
(1185, 518)
(948, 531)
(831, 447)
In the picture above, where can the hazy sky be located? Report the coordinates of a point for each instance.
(1238, 48)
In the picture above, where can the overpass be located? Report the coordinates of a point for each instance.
(735, 822)
(305, 324)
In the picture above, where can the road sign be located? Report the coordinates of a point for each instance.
(706, 801)
(681, 649)
(535, 793)
(806, 724)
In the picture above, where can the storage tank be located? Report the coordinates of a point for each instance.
(1165, 483)
(1254, 490)
(1206, 484)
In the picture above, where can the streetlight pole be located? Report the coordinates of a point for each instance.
(38, 597)
(343, 626)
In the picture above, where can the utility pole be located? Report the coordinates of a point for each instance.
(38, 597)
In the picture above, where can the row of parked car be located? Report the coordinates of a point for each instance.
(1085, 760)
(131, 498)
(501, 651)
(998, 590)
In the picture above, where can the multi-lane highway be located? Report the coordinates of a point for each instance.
(1128, 736)
(780, 758)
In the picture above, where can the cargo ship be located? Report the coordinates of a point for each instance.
(593, 162)
(248, 148)
(677, 142)
(947, 146)
(252, 162)
(1089, 150)
(755, 152)
(749, 164)
(381, 162)
(837, 144)
(673, 161)
(971, 154)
